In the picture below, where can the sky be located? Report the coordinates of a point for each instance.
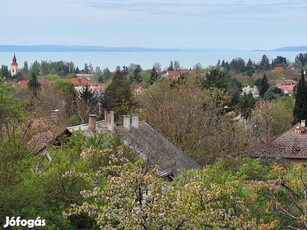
(236, 24)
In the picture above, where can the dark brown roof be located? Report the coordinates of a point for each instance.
(290, 145)
(155, 149)
(46, 131)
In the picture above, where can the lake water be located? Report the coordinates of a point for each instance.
(187, 59)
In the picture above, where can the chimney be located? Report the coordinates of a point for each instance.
(54, 116)
(135, 121)
(109, 120)
(127, 122)
(303, 126)
(92, 122)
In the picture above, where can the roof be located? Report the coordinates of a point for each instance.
(82, 82)
(290, 145)
(100, 127)
(155, 149)
(287, 89)
(23, 84)
(149, 145)
(46, 131)
(283, 82)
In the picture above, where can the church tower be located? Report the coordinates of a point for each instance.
(14, 66)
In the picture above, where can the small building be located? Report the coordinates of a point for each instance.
(14, 66)
(290, 147)
(287, 85)
(80, 82)
(48, 132)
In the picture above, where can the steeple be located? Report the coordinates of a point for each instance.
(14, 61)
(14, 66)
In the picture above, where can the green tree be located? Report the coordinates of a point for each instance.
(34, 85)
(195, 200)
(106, 74)
(177, 112)
(237, 65)
(217, 79)
(25, 68)
(171, 66)
(300, 107)
(222, 80)
(135, 73)
(118, 96)
(98, 75)
(246, 105)
(249, 69)
(286, 196)
(87, 103)
(66, 91)
(262, 85)
(280, 61)
(177, 65)
(154, 74)
(264, 63)
(4, 72)
(35, 68)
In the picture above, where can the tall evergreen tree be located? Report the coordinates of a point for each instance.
(34, 85)
(246, 104)
(263, 85)
(264, 63)
(300, 107)
(171, 66)
(249, 68)
(88, 95)
(118, 96)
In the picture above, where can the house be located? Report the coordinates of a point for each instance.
(147, 143)
(47, 132)
(290, 147)
(178, 73)
(287, 85)
(80, 82)
(45, 84)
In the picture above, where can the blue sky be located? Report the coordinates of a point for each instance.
(238, 24)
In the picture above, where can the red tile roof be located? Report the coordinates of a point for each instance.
(23, 84)
(82, 82)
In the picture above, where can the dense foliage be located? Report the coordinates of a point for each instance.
(93, 182)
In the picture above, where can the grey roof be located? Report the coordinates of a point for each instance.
(290, 145)
(155, 149)
(149, 145)
(100, 127)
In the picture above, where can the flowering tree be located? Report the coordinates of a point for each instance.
(287, 196)
(253, 90)
(134, 200)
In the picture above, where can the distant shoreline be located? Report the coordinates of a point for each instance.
(64, 48)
